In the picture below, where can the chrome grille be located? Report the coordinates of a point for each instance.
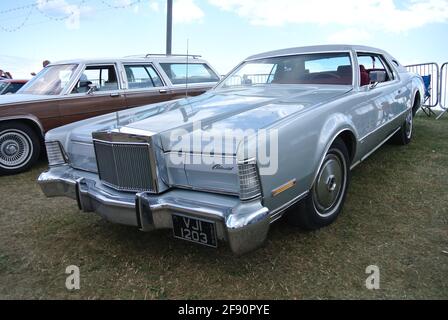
(124, 166)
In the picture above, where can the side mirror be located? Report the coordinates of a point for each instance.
(92, 88)
(377, 77)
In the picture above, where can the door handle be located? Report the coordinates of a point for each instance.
(163, 91)
(115, 95)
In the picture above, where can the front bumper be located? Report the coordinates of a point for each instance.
(244, 225)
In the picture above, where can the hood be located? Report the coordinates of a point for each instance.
(212, 112)
(22, 98)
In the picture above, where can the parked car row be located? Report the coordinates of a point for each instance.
(304, 118)
(70, 91)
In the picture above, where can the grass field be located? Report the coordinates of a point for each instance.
(395, 217)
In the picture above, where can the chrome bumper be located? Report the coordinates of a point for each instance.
(244, 225)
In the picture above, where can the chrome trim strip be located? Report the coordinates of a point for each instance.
(380, 144)
(355, 164)
(374, 149)
(278, 213)
(82, 142)
(210, 190)
(26, 117)
(124, 143)
(195, 153)
(382, 125)
(326, 151)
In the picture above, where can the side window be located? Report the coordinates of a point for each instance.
(154, 76)
(372, 62)
(197, 73)
(142, 76)
(104, 77)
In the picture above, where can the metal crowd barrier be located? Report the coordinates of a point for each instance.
(443, 95)
(430, 71)
(248, 79)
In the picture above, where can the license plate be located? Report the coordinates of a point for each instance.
(195, 230)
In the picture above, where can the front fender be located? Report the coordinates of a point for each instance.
(27, 117)
(333, 127)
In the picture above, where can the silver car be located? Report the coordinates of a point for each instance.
(281, 131)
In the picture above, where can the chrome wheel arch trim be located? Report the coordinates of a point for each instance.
(374, 149)
(28, 117)
(327, 148)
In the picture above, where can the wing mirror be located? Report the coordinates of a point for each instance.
(376, 77)
(92, 88)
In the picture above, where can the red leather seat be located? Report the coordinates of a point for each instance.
(365, 79)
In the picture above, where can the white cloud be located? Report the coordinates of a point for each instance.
(154, 6)
(381, 15)
(61, 8)
(186, 11)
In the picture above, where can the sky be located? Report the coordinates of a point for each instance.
(224, 32)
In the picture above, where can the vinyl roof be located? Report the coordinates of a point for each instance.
(314, 49)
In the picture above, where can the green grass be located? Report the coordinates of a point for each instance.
(395, 217)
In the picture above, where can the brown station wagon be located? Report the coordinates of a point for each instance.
(70, 91)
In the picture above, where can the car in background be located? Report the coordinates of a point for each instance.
(295, 122)
(8, 86)
(69, 91)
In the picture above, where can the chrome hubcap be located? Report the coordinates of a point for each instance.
(15, 149)
(330, 184)
(408, 125)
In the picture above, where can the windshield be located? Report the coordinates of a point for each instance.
(318, 68)
(52, 80)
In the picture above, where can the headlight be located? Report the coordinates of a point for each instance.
(56, 156)
(249, 180)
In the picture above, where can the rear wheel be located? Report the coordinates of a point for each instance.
(326, 198)
(19, 147)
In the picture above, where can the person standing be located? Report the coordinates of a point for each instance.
(5, 75)
(44, 64)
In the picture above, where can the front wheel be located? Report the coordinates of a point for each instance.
(19, 147)
(326, 198)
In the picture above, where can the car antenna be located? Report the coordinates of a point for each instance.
(186, 76)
